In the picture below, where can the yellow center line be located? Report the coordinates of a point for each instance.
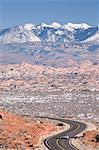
(78, 126)
(57, 141)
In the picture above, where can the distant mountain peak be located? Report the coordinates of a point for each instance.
(44, 25)
(28, 26)
(52, 25)
(55, 25)
(78, 25)
(73, 26)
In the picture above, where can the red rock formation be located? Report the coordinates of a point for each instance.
(17, 132)
(89, 138)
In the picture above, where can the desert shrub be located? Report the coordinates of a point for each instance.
(97, 138)
(60, 124)
(83, 134)
(95, 63)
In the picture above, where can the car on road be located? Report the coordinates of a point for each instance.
(64, 137)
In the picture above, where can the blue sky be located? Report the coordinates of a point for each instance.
(15, 12)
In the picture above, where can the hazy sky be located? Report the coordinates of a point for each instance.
(15, 12)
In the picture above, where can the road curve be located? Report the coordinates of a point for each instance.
(54, 143)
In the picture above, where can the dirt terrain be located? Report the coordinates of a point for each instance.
(89, 138)
(17, 132)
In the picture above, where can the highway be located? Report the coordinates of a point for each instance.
(55, 143)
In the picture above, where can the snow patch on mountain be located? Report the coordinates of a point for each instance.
(29, 26)
(55, 25)
(94, 38)
(45, 25)
(72, 27)
(59, 32)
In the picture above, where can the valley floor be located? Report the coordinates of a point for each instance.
(32, 90)
(37, 90)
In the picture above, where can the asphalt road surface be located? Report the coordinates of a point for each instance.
(55, 143)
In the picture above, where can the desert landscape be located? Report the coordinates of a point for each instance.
(49, 75)
(59, 87)
(36, 90)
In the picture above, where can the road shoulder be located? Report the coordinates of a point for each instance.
(78, 141)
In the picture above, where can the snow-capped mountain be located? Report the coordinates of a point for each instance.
(18, 34)
(51, 33)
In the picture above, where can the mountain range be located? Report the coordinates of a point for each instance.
(50, 33)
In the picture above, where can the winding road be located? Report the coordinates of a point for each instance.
(55, 143)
